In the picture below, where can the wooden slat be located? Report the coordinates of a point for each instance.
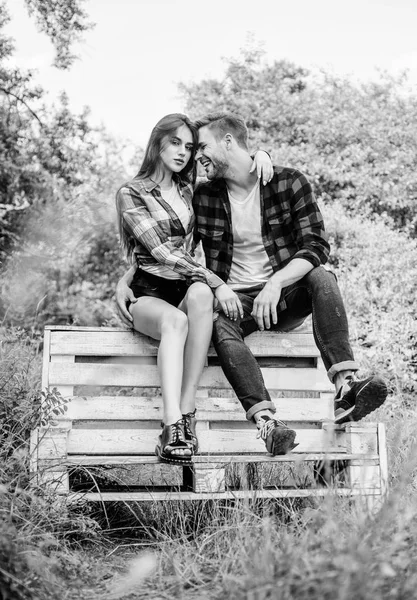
(383, 457)
(361, 438)
(212, 409)
(105, 459)
(45, 360)
(212, 377)
(364, 476)
(143, 441)
(65, 390)
(128, 343)
(152, 496)
(33, 453)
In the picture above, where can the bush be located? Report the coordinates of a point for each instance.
(377, 272)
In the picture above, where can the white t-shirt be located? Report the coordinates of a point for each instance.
(250, 262)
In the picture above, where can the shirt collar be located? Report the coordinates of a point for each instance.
(149, 184)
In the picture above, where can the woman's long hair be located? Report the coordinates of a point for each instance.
(151, 164)
(166, 127)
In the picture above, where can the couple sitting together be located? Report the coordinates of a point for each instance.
(264, 243)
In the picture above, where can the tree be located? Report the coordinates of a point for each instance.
(39, 149)
(355, 141)
(58, 234)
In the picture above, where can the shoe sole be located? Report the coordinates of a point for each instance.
(371, 396)
(187, 460)
(282, 441)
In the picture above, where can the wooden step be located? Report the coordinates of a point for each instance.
(69, 374)
(105, 459)
(252, 495)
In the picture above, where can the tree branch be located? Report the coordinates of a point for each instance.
(9, 93)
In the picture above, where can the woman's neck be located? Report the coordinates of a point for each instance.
(164, 180)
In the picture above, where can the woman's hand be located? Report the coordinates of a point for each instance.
(229, 301)
(263, 165)
(124, 295)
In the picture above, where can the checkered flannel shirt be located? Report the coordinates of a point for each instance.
(155, 234)
(292, 225)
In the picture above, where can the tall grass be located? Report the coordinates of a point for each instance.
(253, 550)
(297, 549)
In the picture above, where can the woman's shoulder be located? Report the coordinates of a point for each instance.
(138, 187)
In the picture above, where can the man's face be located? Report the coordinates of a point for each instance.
(211, 154)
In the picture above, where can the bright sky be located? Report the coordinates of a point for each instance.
(131, 62)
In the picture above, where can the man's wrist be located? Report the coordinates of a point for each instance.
(277, 280)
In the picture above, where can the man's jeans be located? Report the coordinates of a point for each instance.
(318, 294)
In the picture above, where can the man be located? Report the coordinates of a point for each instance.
(268, 244)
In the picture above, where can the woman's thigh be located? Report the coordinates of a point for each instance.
(150, 313)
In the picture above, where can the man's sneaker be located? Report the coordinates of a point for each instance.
(278, 438)
(356, 399)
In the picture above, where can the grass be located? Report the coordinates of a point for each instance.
(288, 550)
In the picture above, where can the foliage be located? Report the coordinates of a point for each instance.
(58, 177)
(377, 272)
(356, 142)
(45, 152)
(34, 528)
(64, 21)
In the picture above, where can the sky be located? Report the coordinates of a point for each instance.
(130, 64)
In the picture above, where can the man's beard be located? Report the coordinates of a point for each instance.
(218, 169)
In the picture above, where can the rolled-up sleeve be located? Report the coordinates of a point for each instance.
(308, 222)
(138, 223)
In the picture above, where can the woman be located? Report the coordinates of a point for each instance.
(173, 291)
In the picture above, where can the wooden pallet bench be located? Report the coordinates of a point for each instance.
(103, 413)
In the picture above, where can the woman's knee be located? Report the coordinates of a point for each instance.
(174, 322)
(200, 297)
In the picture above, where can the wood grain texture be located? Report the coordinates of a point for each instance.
(114, 342)
(251, 495)
(130, 408)
(130, 375)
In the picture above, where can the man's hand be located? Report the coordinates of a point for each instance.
(229, 301)
(265, 305)
(124, 295)
(263, 165)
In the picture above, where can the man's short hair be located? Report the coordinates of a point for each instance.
(221, 123)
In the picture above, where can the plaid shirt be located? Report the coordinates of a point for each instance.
(152, 230)
(291, 226)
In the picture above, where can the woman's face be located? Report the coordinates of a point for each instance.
(177, 149)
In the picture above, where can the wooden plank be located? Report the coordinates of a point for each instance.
(45, 359)
(143, 441)
(129, 343)
(153, 496)
(361, 438)
(212, 377)
(52, 441)
(84, 328)
(224, 459)
(56, 482)
(211, 409)
(383, 458)
(364, 476)
(65, 390)
(209, 478)
(33, 452)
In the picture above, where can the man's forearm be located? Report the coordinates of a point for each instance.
(293, 272)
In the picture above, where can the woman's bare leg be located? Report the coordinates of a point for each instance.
(198, 306)
(162, 321)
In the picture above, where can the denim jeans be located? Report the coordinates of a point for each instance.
(318, 294)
